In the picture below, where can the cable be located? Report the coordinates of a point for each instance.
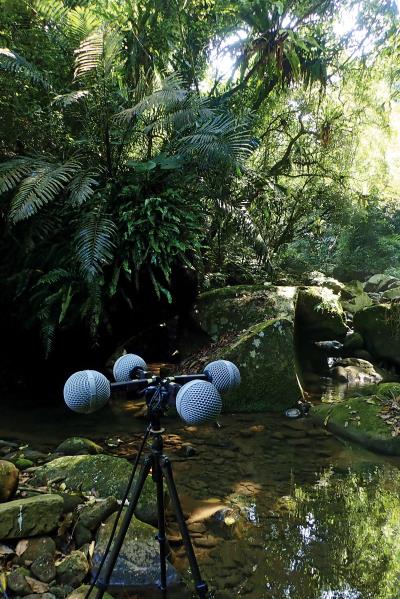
(114, 528)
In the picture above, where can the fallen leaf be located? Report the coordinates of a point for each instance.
(21, 547)
(36, 585)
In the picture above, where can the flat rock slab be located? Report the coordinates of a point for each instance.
(138, 564)
(29, 517)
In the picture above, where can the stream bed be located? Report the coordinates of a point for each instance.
(277, 508)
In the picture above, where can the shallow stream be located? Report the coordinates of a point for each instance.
(277, 509)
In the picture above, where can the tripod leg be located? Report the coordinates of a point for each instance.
(201, 586)
(119, 539)
(158, 479)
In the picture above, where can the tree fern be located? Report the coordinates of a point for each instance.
(13, 63)
(13, 171)
(94, 243)
(42, 186)
(82, 186)
(71, 97)
(101, 47)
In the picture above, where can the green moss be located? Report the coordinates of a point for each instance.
(380, 327)
(265, 357)
(320, 314)
(358, 419)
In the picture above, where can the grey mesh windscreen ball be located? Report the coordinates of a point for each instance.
(223, 374)
(86, 391)
(198, 402)
(124, 366)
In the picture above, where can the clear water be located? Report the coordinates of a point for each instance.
(288, 510)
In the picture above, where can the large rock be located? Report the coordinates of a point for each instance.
(91, 516)
(78, 446)
(101, 474)
(380, 282)
(391, 295)
(380, 327)
(29, 517)
(138, 564)
(319, 314)
(234, 309)
(358, 419)
(73, 569)
(355, 371)
(266, 359)
(9, 477)
(82, 591)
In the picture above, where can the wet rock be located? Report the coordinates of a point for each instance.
(320, 314)
(391, 294)
(363, 354)
(9, 478)
(73, 569)
(29, 517)
(78, 446)
(355, 371)
(16, 582)
(71, 502)
(188, 450)
(380, 282)
(43, 568)
(23, 463)
(206, 541)
(138, 564)
(35, 548)
(102, 475)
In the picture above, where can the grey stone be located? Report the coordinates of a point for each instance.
(30, 516)
(81, 592)
(73, 569)
(43, 568)
(35, 548)
(91, 516)
(78, 446)
(61, 591)
(82, 535)
(17, 583)
(138, 564)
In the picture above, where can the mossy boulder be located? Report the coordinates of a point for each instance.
(102, 475)
(73, 569)
(319, 314)
(82, 591)
(9, 477)
(30, 516)
(78, 446)
(391, 294)
(265, 357)
(234, 309)
(380, 327)
(138, 563)
(358, 419)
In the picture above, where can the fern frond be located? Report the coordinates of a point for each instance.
(54, 276)
(13, 63)
(221, 139)
(14, 170)
(245, 223)
(169, 96)
(94, 244)
(82, 186)
(41, 187)
(71, 97)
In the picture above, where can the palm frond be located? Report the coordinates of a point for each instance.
(94, 243)
(83, 185)
(100, 47)
(82, 21)
(42, 186)
(70, 98)
(51, 10)
(13, 63)
(220, 139)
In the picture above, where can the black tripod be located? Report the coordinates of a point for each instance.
(161, 468)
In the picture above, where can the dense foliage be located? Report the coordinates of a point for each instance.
(127, 154)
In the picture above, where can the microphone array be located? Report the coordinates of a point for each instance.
(198, 398)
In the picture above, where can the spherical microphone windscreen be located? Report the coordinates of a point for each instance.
(86, 391)
(198, 402)
(223, 374)
(124, 366)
